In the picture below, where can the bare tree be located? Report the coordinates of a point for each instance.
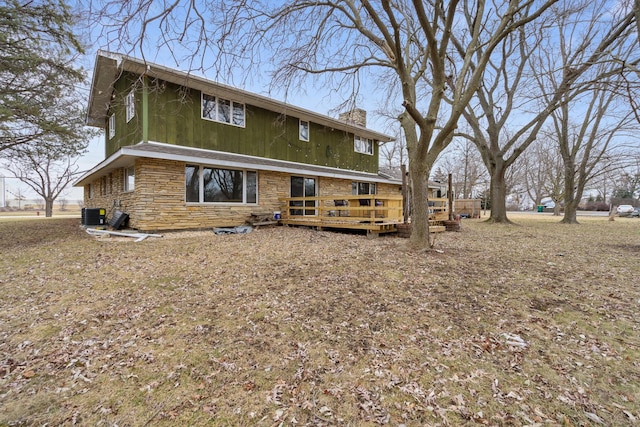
(591, 117)
(19, 194)
(538, 167)
(472, 170)
(605, 183)
(555, 182)
(627, 181)
(587, 147)
(393, 155)
(507, 95)
(46, 174)
(405, 43)
(636, 11)
(461, 160)
(515, 189)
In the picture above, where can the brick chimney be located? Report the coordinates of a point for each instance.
(357, 116)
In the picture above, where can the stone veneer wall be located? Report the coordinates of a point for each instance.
(160, 199)
(337, 187)
(158, 202)
(109, 194)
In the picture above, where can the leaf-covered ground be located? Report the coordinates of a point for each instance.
(533, 324)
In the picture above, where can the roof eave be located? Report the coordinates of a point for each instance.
(108, 65)
(124, 156)
(105, 74)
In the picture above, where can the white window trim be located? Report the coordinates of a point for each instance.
(355, 185)
(232, 106)
(244, 187)
(316, 190)
(357, 138)
(308, 130)
(125, 185)
(130, 106)
(112, 126)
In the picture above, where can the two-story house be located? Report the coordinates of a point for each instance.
(184, 152)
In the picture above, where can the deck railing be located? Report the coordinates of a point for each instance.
(373, 212)
(350, 207)
(438, 209)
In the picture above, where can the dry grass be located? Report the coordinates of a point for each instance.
(294, 326)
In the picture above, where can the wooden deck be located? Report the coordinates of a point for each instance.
(375, 214)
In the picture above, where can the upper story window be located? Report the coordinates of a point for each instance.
(130, 106)
(363, 145)
(304, 130)
(214, 185)
(112, 126)
(223, 110)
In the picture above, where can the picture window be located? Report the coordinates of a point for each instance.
(205, 184)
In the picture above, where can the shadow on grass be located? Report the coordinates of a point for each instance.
(28, 233)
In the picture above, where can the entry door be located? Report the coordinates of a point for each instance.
(303, 187)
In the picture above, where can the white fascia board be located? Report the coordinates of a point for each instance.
(274, 166)
(125, 154)
(116, 160)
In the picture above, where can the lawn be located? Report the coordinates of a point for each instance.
(535, 323)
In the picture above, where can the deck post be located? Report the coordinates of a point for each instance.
(405, 194)
(450, 194)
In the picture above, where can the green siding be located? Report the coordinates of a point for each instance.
(126, 133)
(174, 117)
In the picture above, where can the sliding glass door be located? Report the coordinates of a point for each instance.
(303, 187)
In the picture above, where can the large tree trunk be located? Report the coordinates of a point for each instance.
(568, 161)
(498, 194)
(571, 200)
(570, 210)
(419, 174)
(48, 207)
(419, 169)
